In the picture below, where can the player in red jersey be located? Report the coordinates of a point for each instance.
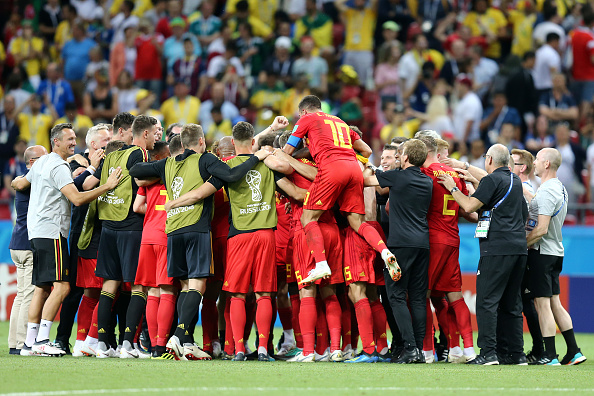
(339, 180)
(444, 268)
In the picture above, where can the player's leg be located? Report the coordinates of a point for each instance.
(315, 241)
(379, 323)
(88, 303)
(40, 295)
(285, 312)
(565, 324)
(210, 319)
(333, 318)
(364, 319)
(165, 314)
(440, 304)
(307, 321)
(152, 311)
(462, 319)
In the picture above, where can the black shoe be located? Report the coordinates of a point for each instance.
(14, 351)
(409, 356)
(395, 351)
(511, 360)
(442, 352)
(226, 356)
(144, 340)
(63, 346)
(533, 357)
(239, 357)
(264, 357)
(252, 356)
(484, 360)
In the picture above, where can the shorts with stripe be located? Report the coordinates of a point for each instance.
(189, 255)
(50, 261)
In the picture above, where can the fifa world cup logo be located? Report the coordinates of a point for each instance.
(110, 192)
(253, 179)
(176, 187)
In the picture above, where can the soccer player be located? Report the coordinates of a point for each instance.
(122, 127)
(48, 222)
(189, 255)
(444, 268)
(152, 262)
(340, 180)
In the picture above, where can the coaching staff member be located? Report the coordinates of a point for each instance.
(502, 239)
(410, 197)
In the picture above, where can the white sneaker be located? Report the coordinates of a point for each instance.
(47, 348)
(216, 349)
(142, 354)
(456, 358)
(110, 353)
(429, 356)
(321, 270)
(301, 358)
(28, 351)
(87, 349)
(322, 358)
(391, 265)
(175, 348)
(336, 356)
(194, 352)
(128, 353)
(350, 353)
(76, 351)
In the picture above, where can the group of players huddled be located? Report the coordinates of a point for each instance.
(275, 222)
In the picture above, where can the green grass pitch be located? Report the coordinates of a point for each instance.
(88, 376)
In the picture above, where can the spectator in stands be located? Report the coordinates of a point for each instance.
(79, 122)
(292, 97)
(583, 67)
(219, 127)
(87, 9)
(56, 90)
(422, 93)
(27, 51)
(558, 105)
(250, 49)
(507, 137)
(50, 17)
(164, 27)
(123, 56)
(9, 130)
(476, 154)
(572, 164)
(188, 66)
(387, 77)
(75, 56)
(397, 125)
(16, 166)
(451, 67)
(486, 20)
(500, 113)
(173, 49)
(436, 116)
(409, 67)
(228, 69)
(217, 99)
(149, 67)
(267, 99)
(468, 113)
(523, 20)
(547, 64)
(14, 88)
(280, 62)
(541, 137)
(551, 24)
(182, 107)
(101, 104)
(35, 127)
(242, 14)
(126, 92)
(521, 94)
(64, 29)
(122, 20)
(158, 12)
(314, 67)
(144, 101)
(315, 24)
(206, 26)
(359, 23)
(483, 72)
(97, 62)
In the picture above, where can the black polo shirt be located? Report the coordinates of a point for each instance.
(410, 197)
(506, 235)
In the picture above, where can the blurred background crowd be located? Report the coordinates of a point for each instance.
(520, 73)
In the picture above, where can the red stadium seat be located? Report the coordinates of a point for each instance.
(570, 220)
(589, 220)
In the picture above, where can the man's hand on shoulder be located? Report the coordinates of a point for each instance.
(262, 154)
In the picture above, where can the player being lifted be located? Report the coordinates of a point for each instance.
(339, 180)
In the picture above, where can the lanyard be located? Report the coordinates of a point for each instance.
(500, 119)
(561, 207)
(511, 183)
(186, 68)
(187, 106)
(55, 98)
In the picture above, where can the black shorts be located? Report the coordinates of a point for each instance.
(118, 255)
(543, 274)
(189, 255)
(51, 262)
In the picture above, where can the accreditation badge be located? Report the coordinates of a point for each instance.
(482, 228)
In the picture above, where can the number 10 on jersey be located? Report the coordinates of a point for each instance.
(340, 133)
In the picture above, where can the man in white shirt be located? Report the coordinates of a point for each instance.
(409, 66)
(468, 113)
(548, 63)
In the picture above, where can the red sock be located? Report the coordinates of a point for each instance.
(165, 317)
(345, 320)
(286, 316)
(152, 309)
(315, 240)
(295, 309)
(250, 315)
(463, 320)
(94, 329)
(454, 338)
(333, 317)
(428, 342)
(85, 316)
(139, 328)
(263, 319)
(441, 312)
(238, 318)
(365, 322)
(379, 325)
(270, 347)
(307, 320)
(372, 237)
(229, 343)
(354, 327)
(321, 328)
(210, 323)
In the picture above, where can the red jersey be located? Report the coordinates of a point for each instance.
(582, 42)
(297, 207)
(220, 220)
(442, 216)
(282, 228)
(153, 232)
(148, 61)
(329, 137)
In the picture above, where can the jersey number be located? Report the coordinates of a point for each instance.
(340, 134)
(448, 212)
(347, 274)
(162, 207)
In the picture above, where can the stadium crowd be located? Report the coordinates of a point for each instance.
(155, 90)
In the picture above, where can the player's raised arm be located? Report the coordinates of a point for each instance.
(362, 148)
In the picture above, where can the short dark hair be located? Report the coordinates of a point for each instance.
(528, 55)
(310, 102)
(266, 140)
(356, 129)
(169, 129)
(390, 147)
(283, 138)
(430, 143)
(114, 145)
(190, 135)
(242, 6)
(552, 37)
(416, 151)
(399, 139)
(175, 145)
(142, 123)
(58, 130)
(159, 147)
(587, 14)
(122, 120)
(129, 4)
(243, 131)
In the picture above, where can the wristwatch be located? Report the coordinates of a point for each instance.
(453, 190)
(466, 166)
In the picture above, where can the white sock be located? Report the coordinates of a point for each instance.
(91, 341)
(78, 344)
(44, 330)
(457, 351)
(469, 351)
(384, 351)
(32, 330)
(102, 346)
(428, 354)
(262, 350)
(322, 263)
(289, 337)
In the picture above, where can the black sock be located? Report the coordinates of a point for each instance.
(160, 350)
(104, 316)
(569, 337)
(550, 349)
(188, 313)
(122, 308)
(134, 314)
(192, 326)
(222, 337)
(533, 325)
(180, 301)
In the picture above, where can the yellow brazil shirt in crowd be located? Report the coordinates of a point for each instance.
(267, 98)
(492, 20)
(522, 37)
(319, 28)
(360, 25)
(185, 111)
(22, 47)
(35, 129)
(262, 10)
(216, 132)
(80, 122)
(63, 34)
(407, 130)
(140, 7)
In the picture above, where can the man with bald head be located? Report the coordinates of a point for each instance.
(547, 212)
(502, 216)
(226, 148)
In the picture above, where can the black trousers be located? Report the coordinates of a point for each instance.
(414, 263)
(499, 303)
(72, 300)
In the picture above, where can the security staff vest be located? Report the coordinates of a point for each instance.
(182, 176)
(252, 197)
(115, 204)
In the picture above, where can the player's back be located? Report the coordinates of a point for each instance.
(442, 216)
